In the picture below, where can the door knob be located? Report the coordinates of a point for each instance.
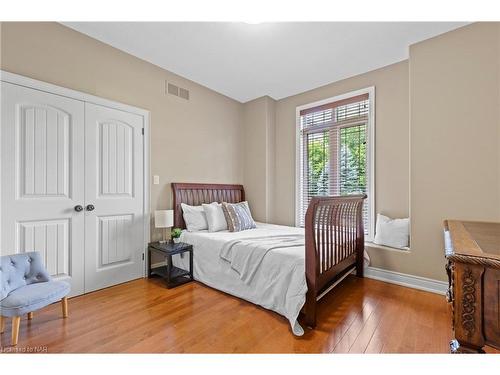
(90, 207)
(78, 208)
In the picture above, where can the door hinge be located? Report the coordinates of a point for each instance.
(142, 256)
(142, 131)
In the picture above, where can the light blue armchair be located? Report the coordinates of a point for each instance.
(26, 286)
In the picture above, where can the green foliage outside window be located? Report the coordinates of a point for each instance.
(351, 163)
(318, 163)
(353, 160)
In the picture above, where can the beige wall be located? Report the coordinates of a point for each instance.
(452, 84)
(441, 109)
(191, 141)
(392, 144)
(455, 123)
(498, 106)
(258, 155)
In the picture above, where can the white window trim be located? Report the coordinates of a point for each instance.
(371, 152)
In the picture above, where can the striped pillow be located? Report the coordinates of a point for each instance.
(238, 216)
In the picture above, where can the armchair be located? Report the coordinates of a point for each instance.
(25, 287)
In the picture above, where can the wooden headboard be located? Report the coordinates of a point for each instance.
(196, 194)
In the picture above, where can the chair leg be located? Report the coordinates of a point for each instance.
(2, 324)
(64, 303)
(16, 320)
(30, 315)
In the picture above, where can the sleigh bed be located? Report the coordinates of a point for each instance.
(291, 280)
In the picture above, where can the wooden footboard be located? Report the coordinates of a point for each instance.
(334, 245)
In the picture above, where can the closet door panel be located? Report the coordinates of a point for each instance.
(42, 179)
(114, 187)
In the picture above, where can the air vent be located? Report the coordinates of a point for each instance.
(183, 93)
(177, 91)
(172, 89)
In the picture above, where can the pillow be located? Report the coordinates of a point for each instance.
(194, 217)
(392, 232)
(215, 217)
(238, 216)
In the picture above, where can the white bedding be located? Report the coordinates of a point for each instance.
(279, 281)
(246, 255)
(278, 284)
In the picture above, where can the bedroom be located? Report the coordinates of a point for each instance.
(94, 200)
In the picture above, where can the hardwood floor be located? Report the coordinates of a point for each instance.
(359, 316)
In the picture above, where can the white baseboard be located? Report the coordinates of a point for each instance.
(410, 281)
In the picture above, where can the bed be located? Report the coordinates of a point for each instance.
(290, 278)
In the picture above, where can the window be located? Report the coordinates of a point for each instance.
(335, 151)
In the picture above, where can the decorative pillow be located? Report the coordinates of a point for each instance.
(392, 232)
(238, 216)
(194, 217)
(215, 217)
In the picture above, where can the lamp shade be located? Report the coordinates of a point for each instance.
(164, 218)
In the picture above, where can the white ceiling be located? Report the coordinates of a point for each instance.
(247, 61)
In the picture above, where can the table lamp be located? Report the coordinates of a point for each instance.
(164, 219)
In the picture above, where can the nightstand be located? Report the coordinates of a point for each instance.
(173, 276)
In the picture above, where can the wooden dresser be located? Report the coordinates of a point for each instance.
(473, 267)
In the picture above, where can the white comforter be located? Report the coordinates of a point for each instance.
(278, 283)
(246, 255)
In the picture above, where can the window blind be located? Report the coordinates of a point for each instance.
(333, 151)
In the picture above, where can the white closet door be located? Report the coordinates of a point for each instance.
(42, 180)
(114, 226)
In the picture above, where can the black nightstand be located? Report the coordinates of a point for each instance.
(173, 276)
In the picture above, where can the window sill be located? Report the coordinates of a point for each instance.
(383, 247)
